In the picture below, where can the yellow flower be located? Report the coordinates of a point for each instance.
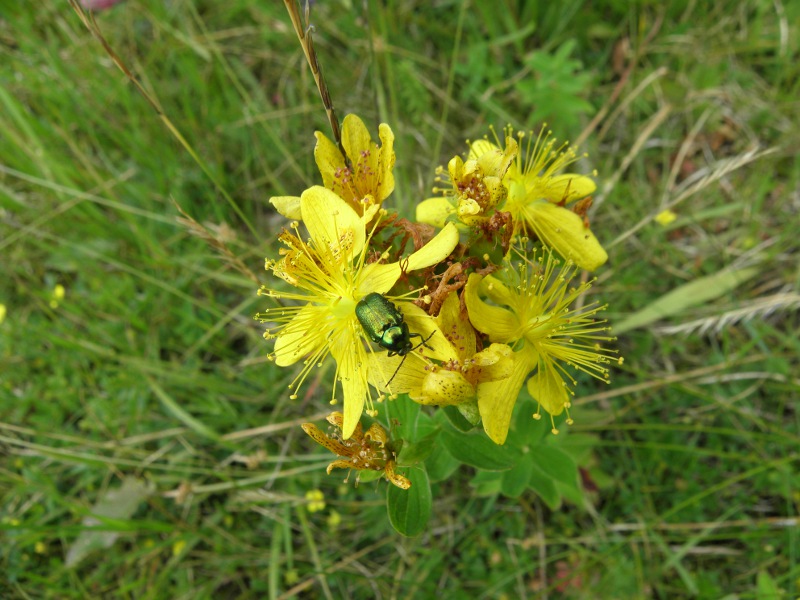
(538, 195)
(178, 547)
(476, 186)
(531, 311)
(666, 217)
(450, 371)
(331, 274)
(370, 451)
(57, 295)
(364, 180)
(316, 500)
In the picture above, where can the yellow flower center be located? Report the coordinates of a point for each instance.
(343, 307)
(539, 327)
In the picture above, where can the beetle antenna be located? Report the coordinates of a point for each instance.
(396, 370)
(422, 343)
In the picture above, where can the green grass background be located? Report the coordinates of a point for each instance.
(151, 370)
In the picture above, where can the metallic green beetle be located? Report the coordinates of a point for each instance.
(385, 326)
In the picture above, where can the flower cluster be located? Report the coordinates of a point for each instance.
(482, 291)
(542, 203)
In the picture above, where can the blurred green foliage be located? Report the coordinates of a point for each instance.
(151, 365)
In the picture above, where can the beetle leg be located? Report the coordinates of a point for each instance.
(422, 343)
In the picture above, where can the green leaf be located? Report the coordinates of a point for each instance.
(441, 464)
(526, 430)
(470, 412)
(426, 425)
(368, 475)
(403, 414)
(415, 452)
(516, 479)
(557, 464)
(695, 292)
(456, 419)
(766, 587)
(409, 510)
(477, 450)
(559, 89)
(179, 413)
(487, 483)
(572, 493)
(579, 446)
(541, 483)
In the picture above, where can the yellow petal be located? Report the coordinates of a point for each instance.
(376, 433)
(402, 482)
(355, 137)
(548, 389)
(455, 167)
(496, 399)
(405, 375)
(500, 324)
(564, 231)
(444, 388)
(324, 440)
(295, 341)
(481, 147)
(288, 206)
(380, 277)
(329, 159)
(569, 187)
(497, 191)
(340, 463)
(496, 362)
(332, 223)
(496, 161)
(369, 212)
(387, 159)
(377, 277)
(434, 211)
(497, 291)
(351, 368)
(456, 328)
(468, 210)
(438, 346)
(434, 251)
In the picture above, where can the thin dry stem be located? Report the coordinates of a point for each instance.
(649, 128)
(90, 23)
(306, 42)
(215, 239)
